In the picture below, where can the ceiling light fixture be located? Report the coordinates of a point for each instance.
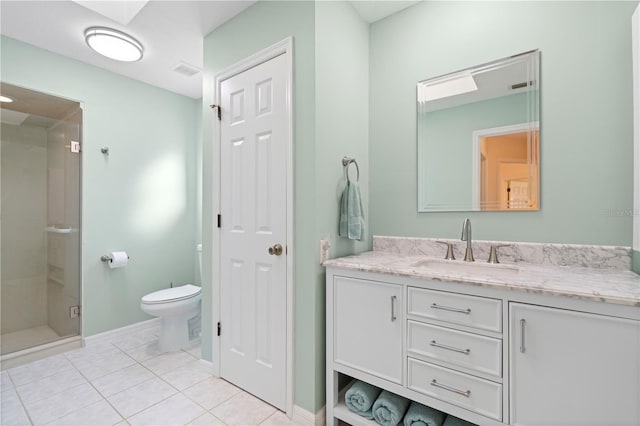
(113, 44)
(5, 99)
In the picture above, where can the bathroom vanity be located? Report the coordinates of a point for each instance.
(512, 343)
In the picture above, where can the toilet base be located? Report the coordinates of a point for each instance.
(174, 334)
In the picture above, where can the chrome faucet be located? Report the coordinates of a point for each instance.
(466, 236)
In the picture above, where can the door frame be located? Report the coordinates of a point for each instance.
(476, 138)
(284, 47)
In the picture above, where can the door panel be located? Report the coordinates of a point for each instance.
(253, 207)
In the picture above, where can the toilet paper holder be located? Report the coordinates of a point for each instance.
(108, 258)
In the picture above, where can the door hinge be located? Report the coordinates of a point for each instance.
(74, 311)
(219, 108)
(219, 328)
(219, 221)
(74, 147)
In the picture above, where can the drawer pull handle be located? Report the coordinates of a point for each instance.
(393, 308)
(522, 324)
(447, 308)
(450, 348)
(466, 393)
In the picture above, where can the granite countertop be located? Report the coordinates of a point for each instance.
(602, 285)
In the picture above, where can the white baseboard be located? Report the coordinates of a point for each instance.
(118, 332)
(208, 365)
(304, 417)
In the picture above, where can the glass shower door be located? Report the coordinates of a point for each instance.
(63, 226)
(40, 227)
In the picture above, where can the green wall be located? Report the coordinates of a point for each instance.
(330, 59)
(586, 114)
(141, 198)
(342, 67)
(256, 28)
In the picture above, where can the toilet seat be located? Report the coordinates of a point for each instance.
(172, 294)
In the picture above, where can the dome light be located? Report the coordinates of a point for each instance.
(113, 44)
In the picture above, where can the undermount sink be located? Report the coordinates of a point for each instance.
(452, 267)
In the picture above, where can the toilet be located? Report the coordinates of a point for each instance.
(179, 312)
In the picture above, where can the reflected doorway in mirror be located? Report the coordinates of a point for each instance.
(451, 108)
(506, 168)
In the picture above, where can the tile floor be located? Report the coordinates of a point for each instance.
(126, 381)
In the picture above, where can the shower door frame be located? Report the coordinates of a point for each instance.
(67, 342)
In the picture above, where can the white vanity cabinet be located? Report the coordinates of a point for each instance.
(369, 332)
(573, 368)
(489, 355)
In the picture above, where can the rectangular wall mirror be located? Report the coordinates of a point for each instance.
(478, 137)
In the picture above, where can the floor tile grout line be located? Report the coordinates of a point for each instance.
(90, 382)
(155, 376)
(218, 404)
(24, 407)
(75, 362)
(87, 381)
(104, 397)
(178, 391)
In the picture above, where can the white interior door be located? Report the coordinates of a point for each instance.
(253, 274)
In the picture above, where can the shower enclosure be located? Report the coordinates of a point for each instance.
(40, 220)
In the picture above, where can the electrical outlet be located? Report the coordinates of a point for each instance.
(324, 250)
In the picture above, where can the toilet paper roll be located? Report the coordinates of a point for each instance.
(119, 259)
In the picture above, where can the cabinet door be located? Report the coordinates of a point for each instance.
(572, 368)
(368, 327)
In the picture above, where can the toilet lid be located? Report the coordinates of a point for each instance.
(172, 294)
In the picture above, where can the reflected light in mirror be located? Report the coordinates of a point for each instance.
(160, 195)
(445, 88)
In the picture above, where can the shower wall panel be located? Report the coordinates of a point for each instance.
(24, 220)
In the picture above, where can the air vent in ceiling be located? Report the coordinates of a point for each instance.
(186, 69)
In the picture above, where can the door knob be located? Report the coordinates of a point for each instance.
(275, 250)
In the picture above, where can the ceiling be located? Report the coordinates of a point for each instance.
(33, 108)
(171, 32)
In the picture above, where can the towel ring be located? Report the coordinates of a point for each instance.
(346, 162)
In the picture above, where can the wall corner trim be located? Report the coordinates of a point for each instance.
(307, 418)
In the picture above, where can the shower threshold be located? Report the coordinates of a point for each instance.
(35, 353)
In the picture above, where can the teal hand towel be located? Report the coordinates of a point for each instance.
(454, 421)
(351, 213)
(389, 408)
(360, 398)
(421, 415)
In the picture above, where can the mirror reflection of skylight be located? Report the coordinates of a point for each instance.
(457, 85)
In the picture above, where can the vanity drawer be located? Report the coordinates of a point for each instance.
(472, 351)
(472, 393)
(471, 311)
